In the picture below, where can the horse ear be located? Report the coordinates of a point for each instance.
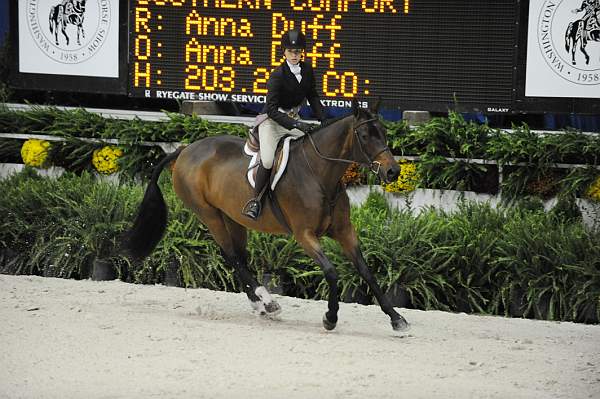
(374, 108)
(355, 108)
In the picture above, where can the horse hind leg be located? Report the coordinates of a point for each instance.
(582, 48)
(64, 31)
(232, 239)
(265, 305)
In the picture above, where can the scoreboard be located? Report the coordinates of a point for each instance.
(501, 56)
(416, 53)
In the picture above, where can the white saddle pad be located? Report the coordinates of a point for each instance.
(255, 159)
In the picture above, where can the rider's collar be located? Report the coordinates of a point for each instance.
(294, 68)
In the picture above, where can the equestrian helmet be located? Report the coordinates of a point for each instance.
(294, 39)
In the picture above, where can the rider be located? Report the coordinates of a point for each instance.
(72, 7)
(590, 18)
(288, 86)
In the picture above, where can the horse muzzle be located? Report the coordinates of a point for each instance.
(385, 166)
(387, 170)
(392, 173)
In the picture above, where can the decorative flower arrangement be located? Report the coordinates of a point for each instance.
(353, 175)
(105, 159)
(407, 180)
(593, 191)
(35, 152)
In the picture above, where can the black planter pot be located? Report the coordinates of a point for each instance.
(172, 276)
(462, 304)
(358, 295)
(517, 305)
(588, 314)
(85, 270)
(7, 257)
(541, 308)
(103, 269)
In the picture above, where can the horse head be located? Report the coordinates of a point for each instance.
(370, 146)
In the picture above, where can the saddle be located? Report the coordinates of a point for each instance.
(252, 149)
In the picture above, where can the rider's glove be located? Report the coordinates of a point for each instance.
(305, 127)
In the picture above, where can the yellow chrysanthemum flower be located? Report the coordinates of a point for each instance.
(35, 152)
(105, 159)
(593, 191)
(407, 180)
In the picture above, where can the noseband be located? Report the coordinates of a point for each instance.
(373, 165)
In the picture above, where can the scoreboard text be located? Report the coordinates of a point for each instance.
(224, 50)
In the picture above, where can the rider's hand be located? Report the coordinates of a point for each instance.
(305, 127)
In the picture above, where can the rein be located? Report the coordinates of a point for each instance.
(372, 165)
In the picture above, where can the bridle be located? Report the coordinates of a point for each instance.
(373, 165)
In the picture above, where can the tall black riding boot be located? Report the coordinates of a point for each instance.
(253, 207)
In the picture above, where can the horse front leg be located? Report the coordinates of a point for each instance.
(351, 248)
(81, 32)
(312, 247)
(343, 232)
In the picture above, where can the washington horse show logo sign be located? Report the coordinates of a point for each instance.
(568, 34)
(69, 31)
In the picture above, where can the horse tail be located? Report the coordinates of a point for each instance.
(151, 220)
(570, 36)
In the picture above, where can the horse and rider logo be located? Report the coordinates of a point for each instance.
(568, 34)
(68, 12)
(70, 31)
(583, 30)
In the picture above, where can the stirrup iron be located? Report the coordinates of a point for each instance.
(252, 208)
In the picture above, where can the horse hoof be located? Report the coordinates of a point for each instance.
(272, 308)
(400, 324)
(327, 324)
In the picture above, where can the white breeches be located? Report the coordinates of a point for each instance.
(269, 134)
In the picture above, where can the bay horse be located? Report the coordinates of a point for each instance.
(209, 176)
